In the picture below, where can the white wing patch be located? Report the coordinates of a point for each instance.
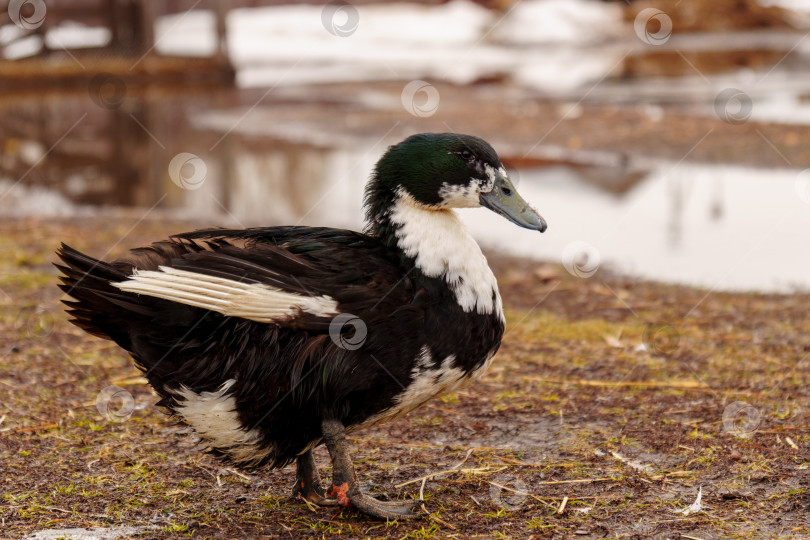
(213, 416)
(253, 301)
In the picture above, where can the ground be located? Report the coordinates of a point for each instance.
(611, 404)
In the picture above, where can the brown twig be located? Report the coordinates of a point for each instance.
(237, 473)
(580, 481)
(517, 463)
(35, 428)
(535, 497)
(688, 385)
(448, 471)
(466, 457)
(57, 509)
(438, 520)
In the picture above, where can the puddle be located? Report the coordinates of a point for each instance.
(709, 225)
(714, 226)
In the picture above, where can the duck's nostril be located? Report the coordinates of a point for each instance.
(506, 191)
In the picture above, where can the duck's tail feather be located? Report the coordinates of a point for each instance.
(150, 329)
(88, 282)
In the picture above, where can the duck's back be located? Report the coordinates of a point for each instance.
(253, 336)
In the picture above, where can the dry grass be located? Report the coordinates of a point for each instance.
(591, 422)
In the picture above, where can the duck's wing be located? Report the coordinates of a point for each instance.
(292, 277)
(268, 315)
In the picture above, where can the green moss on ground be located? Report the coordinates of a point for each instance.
(617, 397)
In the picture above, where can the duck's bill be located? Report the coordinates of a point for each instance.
(506, 201)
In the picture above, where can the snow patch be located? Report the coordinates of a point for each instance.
(459, 41)
(560, 21)
(71, 34)
(99, 533)
(20, 200)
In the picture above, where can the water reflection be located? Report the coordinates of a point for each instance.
(709, 225)
(97, 152)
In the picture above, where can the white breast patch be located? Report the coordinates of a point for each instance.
(426, 384)
(441, 246)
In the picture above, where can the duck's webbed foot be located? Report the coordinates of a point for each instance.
(345, 488)
(308, 483)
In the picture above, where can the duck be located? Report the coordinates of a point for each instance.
(271, 341)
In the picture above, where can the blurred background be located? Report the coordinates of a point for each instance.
(663, 139)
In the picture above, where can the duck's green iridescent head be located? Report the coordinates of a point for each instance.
(446, 170)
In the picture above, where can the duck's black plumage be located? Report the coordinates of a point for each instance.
(289, 375)
(236, 329)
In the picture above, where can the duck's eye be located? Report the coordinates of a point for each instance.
(466, 154)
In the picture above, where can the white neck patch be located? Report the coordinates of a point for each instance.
(442, 247)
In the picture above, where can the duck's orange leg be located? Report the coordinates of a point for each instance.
(345, 488)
